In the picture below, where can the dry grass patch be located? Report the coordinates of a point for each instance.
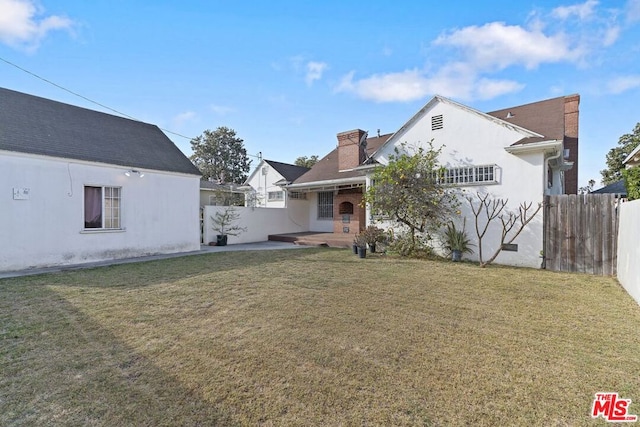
(313, 337)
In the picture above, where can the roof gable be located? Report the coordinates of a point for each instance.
(397, 137)
(288, 171)
(34, 125)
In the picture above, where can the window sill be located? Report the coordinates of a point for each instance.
(102, 230)
(325, 219)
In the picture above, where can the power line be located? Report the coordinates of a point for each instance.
(84, 97)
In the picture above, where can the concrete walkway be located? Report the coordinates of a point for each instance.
(260, 246)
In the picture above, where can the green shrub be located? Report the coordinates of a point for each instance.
(632, 182)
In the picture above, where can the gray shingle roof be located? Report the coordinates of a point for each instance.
(288, 171)
(327, 167)
(617, 187)
(34, 125)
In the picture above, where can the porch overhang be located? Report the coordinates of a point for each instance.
(328, 185)
(552, 145)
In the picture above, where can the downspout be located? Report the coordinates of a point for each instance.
(545, 210)
(548, 163)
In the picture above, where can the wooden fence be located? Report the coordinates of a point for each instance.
(580, 233)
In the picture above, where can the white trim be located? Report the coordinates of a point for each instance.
(104, 212)
(553, 144)
(328, 183)
(437, 98)
(631, 155)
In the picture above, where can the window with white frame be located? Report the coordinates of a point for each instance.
(325, 205)
(102, 207)
(485, 174)
(297, 195)
(275, 196)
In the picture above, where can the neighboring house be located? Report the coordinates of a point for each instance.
(267, 181)
(633, 159)
(520, 154)
(617, 188)
(78, 185)
(215, 194)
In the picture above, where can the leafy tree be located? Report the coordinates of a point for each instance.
(587, 188)
(409, 190)
(306, 162)
(220, 156)
(632, 182)
(616, 156)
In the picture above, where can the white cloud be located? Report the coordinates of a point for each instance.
(403, 86)
(582, 10)
(633, 10)
(498, 46)
(611, 35)
(474, 59)
(222, 110)
(624, 83)
(21, 23)
(453, 81)
(183, 118)
(489, 89)
(314, 71)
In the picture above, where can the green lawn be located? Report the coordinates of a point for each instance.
(313, 337)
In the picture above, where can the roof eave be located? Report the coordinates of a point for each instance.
(542, 146)
(326, 183)
(634, 155)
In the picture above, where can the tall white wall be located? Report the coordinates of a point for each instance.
(629, 248)
(159, 213)
(260, 222)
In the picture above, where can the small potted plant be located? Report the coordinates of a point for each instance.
(361, 243)
(373, 235)
(456, 242)
(224, 222)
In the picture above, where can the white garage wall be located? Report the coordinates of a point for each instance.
(159, 213)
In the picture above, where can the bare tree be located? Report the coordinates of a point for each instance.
(495, 208)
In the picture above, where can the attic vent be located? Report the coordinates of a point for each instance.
(436, 122)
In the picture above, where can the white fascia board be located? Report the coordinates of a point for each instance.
(327, 183)
(631, 155)
(542, 146)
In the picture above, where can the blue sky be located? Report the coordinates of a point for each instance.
(289, 75)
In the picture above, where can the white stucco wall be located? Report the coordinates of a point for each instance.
(261, 222)
(629, 249)
(473, 140)
(159, 213)
(315, 224)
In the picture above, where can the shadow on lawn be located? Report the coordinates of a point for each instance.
(59, 366)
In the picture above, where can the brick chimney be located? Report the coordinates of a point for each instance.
(571, 104)
(350, 152)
